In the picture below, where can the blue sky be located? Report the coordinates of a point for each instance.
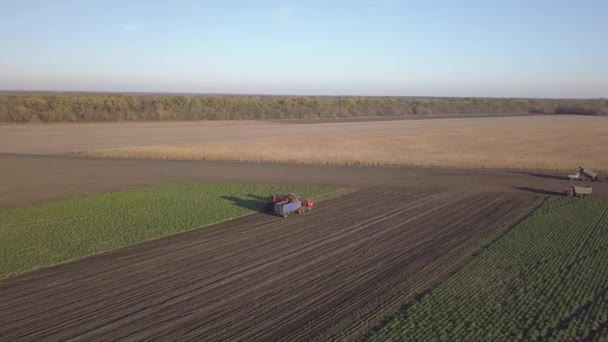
(512, 48)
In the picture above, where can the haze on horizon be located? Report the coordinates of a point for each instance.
(479, 48)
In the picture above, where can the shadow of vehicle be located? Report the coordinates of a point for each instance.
(259, 198)
(254, 203)
(543, 175)
(539, 191)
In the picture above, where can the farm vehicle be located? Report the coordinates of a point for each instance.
(578, 191)
(283, 205)
(584, 175)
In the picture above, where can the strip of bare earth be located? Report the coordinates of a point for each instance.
(28, 179)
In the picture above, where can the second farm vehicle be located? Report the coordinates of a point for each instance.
(283, 205)
(584, 175)
(578, 191)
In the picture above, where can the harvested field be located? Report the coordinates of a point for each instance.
(534, 143)
(332, 273)
(515, 145)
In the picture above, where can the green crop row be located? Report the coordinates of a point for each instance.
(547, 279)
(51, 233)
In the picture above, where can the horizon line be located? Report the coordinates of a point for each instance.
(103, 92)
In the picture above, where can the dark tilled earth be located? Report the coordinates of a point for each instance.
(333, 272)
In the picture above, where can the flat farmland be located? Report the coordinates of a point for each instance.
(333, 273)
(544, 280)
(30, 179)
(557, 142)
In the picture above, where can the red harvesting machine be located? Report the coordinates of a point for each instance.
(283, 205)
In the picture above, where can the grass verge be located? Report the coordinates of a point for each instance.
(51, 233)
(544, 280)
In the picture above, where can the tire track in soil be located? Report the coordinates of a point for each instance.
(340, 268)
(434, 273)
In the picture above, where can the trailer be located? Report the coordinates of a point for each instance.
(578, 191)
(583, 174)
(283, 205)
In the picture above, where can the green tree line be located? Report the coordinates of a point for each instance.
(75, 107)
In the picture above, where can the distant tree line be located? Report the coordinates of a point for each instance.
(75, 107)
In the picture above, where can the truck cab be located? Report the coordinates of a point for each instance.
(574, 176)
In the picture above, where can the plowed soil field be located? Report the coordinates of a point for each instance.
(334, 272)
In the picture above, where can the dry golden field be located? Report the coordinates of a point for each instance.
(559, 143)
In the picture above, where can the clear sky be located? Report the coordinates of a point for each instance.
(504, 48)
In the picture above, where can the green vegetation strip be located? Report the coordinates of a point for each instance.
(547, 279)
(51, 233)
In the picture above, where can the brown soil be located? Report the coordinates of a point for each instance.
(338, 269)
(26, 179)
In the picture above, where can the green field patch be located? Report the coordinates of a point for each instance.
(547, 279)
(51, 233)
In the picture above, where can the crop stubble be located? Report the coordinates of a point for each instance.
(533, 143)
(331, 273)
